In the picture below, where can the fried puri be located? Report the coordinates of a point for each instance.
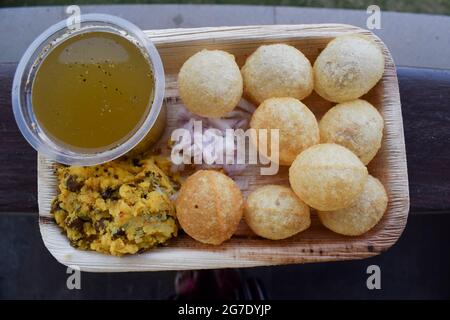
(356, 125)
(327, 176)
(209, 207)
(348, 68)
(277, 70)
(362, 215)
(275, 212)
(210, 83)
(297, 125)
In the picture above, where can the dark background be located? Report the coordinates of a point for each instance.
(416, 267)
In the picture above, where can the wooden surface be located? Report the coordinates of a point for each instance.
(18, 192)
(246, 249)
(426, 114)
(423, 92)
(425, 96)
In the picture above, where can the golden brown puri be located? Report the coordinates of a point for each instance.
(275, 212)
(209, 206)
(348, 68)
(210, 83)
(120, 207)
(356, 125)
(327, 176)
(298, 128)
(277, 70)
(365, 212)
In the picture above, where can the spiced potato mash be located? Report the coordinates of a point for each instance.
(120, 207)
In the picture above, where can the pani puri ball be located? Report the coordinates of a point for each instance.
(277, 70)
(209, 206)
(298, 128)
(275, 212)
(356, 125)
(327, 176)
(362, 215)
(348, 68)
(210, 83)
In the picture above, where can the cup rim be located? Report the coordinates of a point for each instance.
(49, 147)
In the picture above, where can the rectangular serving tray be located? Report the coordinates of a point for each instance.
(245, 249)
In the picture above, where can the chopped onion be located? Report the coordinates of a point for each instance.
(239, 118)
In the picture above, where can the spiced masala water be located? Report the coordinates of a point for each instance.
(93, 90)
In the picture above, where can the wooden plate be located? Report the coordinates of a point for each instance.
(317, 244)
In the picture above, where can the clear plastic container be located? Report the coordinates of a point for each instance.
(152, 125)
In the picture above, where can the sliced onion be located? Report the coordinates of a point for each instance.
(239, 118)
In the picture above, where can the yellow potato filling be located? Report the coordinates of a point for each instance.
(120, 207)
